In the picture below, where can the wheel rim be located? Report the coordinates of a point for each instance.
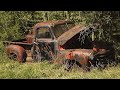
(13, 56)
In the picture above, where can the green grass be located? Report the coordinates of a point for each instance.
(43, 70)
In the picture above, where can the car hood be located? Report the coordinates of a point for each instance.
(70, 33)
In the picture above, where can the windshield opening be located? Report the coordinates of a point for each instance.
(62, 28)
(43, 32)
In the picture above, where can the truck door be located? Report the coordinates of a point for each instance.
(45, 43)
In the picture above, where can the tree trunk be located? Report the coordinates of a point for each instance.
(93, 36)
(45, 16)
(67, 15)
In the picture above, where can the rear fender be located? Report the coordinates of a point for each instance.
(18, 50)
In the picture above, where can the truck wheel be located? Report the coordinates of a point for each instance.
(16, 52)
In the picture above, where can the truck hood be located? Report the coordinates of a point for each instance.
(70, 33)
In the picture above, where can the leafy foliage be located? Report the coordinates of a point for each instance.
(15, 24)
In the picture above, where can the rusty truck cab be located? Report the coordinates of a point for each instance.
(46, 34)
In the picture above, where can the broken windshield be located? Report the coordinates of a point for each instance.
(62, 28)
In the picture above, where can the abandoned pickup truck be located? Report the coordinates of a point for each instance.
(55, 40)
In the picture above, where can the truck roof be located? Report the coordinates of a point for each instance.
(51, 23)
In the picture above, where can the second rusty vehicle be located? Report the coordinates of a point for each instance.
(60, 40)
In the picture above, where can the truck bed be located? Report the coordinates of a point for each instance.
(17, 42)
(21, 42)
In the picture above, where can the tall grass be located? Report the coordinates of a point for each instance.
(43, 70)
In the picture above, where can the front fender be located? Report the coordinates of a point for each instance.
(82, 56)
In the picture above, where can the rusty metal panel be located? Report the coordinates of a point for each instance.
(70, 33)
(50, 23)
